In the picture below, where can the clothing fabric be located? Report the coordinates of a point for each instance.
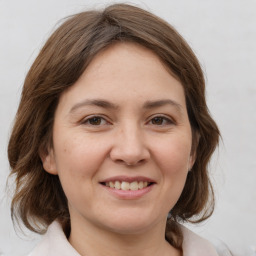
(55, 243)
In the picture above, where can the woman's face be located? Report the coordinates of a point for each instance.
(122, 141)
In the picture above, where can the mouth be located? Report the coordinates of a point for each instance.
(128, 183)
(124, 185)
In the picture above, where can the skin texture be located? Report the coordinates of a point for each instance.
(126, 115)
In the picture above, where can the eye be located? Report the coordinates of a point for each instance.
(95, 121)
(161, 120)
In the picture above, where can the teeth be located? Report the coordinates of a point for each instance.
(117, 185)
(134, 185)
(124, 185)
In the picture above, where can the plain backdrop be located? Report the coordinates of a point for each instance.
(223, 35)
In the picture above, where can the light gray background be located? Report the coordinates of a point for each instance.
(223, 35)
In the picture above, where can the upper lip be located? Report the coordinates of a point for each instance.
(128, 179)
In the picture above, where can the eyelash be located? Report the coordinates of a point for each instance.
(90, 119)
(99, 119)
(166, 120)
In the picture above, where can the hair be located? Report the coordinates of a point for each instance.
(38, 198)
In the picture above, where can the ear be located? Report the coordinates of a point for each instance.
(191, 161)
(193, 154)
(48, 161)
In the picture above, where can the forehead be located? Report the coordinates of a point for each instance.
(126, 71)
(130, 55)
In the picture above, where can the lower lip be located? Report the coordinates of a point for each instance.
(128, 194)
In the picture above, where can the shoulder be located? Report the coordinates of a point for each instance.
(194, 245)
(54, 243)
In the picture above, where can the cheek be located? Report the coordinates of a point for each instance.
(78, 160)
(78, 155)
(174, 156)
(173, 159)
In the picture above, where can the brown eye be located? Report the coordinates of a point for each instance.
(161, 120)
(95, 121)
(157, 120)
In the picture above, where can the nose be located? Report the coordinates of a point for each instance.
(129, 147)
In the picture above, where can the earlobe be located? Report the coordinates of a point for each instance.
(48, 161)
(193, 153)
(191, 162)
(192, 159)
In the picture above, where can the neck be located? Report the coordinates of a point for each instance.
(90, 240)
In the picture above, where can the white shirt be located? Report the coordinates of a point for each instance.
(55, 243)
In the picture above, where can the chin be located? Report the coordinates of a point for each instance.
(130, 224)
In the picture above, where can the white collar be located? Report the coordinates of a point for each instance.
(55, 243)
(194, 245)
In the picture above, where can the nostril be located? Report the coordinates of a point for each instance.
(130, 163)
(135, 162)
(129, 150)
(141, 161)
(120, 161)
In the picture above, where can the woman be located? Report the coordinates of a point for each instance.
(112, 139)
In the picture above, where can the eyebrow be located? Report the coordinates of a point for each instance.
(161, 103)
(94, 102)
(109, 105)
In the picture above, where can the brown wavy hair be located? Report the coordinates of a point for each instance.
(38, 198)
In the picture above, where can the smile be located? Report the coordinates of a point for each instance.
(124, 185)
